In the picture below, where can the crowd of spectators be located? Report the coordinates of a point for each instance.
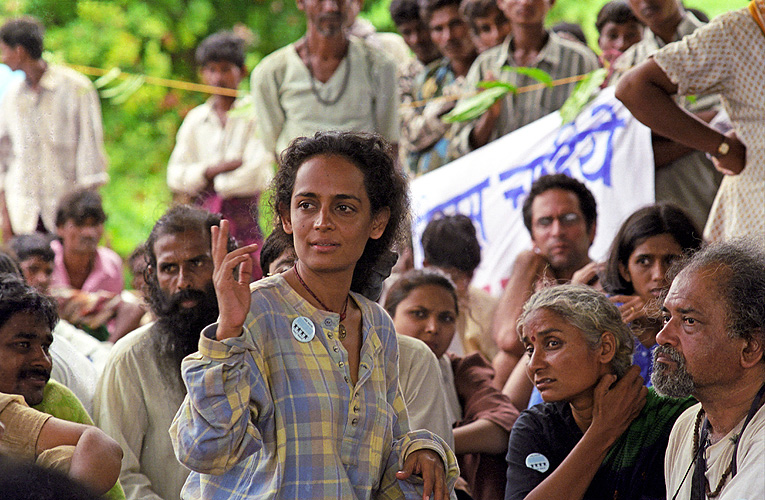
(304, 364)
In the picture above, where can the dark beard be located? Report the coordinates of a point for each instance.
(177, 329)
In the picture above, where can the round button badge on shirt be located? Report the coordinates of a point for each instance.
(303, 329)
(538, 462)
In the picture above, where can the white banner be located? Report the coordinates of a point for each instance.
(605, 148)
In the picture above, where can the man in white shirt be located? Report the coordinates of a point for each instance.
(51, 138)
(712, 347)
(140, 389)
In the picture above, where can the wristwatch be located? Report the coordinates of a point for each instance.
(722, 149)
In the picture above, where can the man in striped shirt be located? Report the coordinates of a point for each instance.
(529, 45)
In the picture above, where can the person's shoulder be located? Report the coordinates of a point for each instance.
(110, 256)
(412, 347)
(374, 58)
(275, 60)
(491, 57)
(71, 76)
(569, 48)
(137, 344)
(197, 113)
(685, 423)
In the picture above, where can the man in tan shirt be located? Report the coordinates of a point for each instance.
(51, 138)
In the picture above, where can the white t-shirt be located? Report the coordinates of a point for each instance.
(749, 482)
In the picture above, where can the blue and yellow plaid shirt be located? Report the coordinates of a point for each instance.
(268, 416)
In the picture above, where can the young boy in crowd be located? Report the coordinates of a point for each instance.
(488, 25)
(618, 30)
(218, 160)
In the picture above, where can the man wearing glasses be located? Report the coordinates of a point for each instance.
(560, 213)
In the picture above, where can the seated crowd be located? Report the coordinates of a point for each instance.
(315, 362)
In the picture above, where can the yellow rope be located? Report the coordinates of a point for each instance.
(164, 82)
(209, 89)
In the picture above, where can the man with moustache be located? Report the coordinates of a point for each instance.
(140, 389)
(443, 78)
(327, 80)
(711, 347)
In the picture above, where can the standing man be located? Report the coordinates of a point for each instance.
(444, 77)
(684, 176)
(218, 159)
(140, 389)
(712, 347)
(51, 139)
(560, 214)
(325, 81)
(529, 45)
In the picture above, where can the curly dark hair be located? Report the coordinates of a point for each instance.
(385, 185)
(403, 11)
(653, 220)
(561, 181)
(428, 7)
(222, 46)
(16, 296)
(617, 12)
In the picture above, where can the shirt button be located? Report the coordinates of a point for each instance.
(329, 335)
(336, 349)
(341, 364)
(346, 378)
(356, 409)
(354, 421)
(328, 322)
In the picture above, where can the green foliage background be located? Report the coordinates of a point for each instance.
(158, 38)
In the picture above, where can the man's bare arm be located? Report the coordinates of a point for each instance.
(527, 270)
(647, 92)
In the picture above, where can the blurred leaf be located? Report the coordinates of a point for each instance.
(691, 99)
(108, 78)
(537, 74)
(474, 106)
(488, 84)
(135, 84)
(582, 94)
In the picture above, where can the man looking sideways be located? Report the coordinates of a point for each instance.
(711, 347)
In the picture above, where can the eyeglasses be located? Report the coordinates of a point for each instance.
(565, 220)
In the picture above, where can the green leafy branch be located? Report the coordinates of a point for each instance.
(474, 106)
(582, 94)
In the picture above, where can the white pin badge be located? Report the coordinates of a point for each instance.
(303, 329)
(538, 462)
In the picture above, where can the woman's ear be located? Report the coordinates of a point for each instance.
(284, 216)
(379, 223)
(624, 273)
(607, 349)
